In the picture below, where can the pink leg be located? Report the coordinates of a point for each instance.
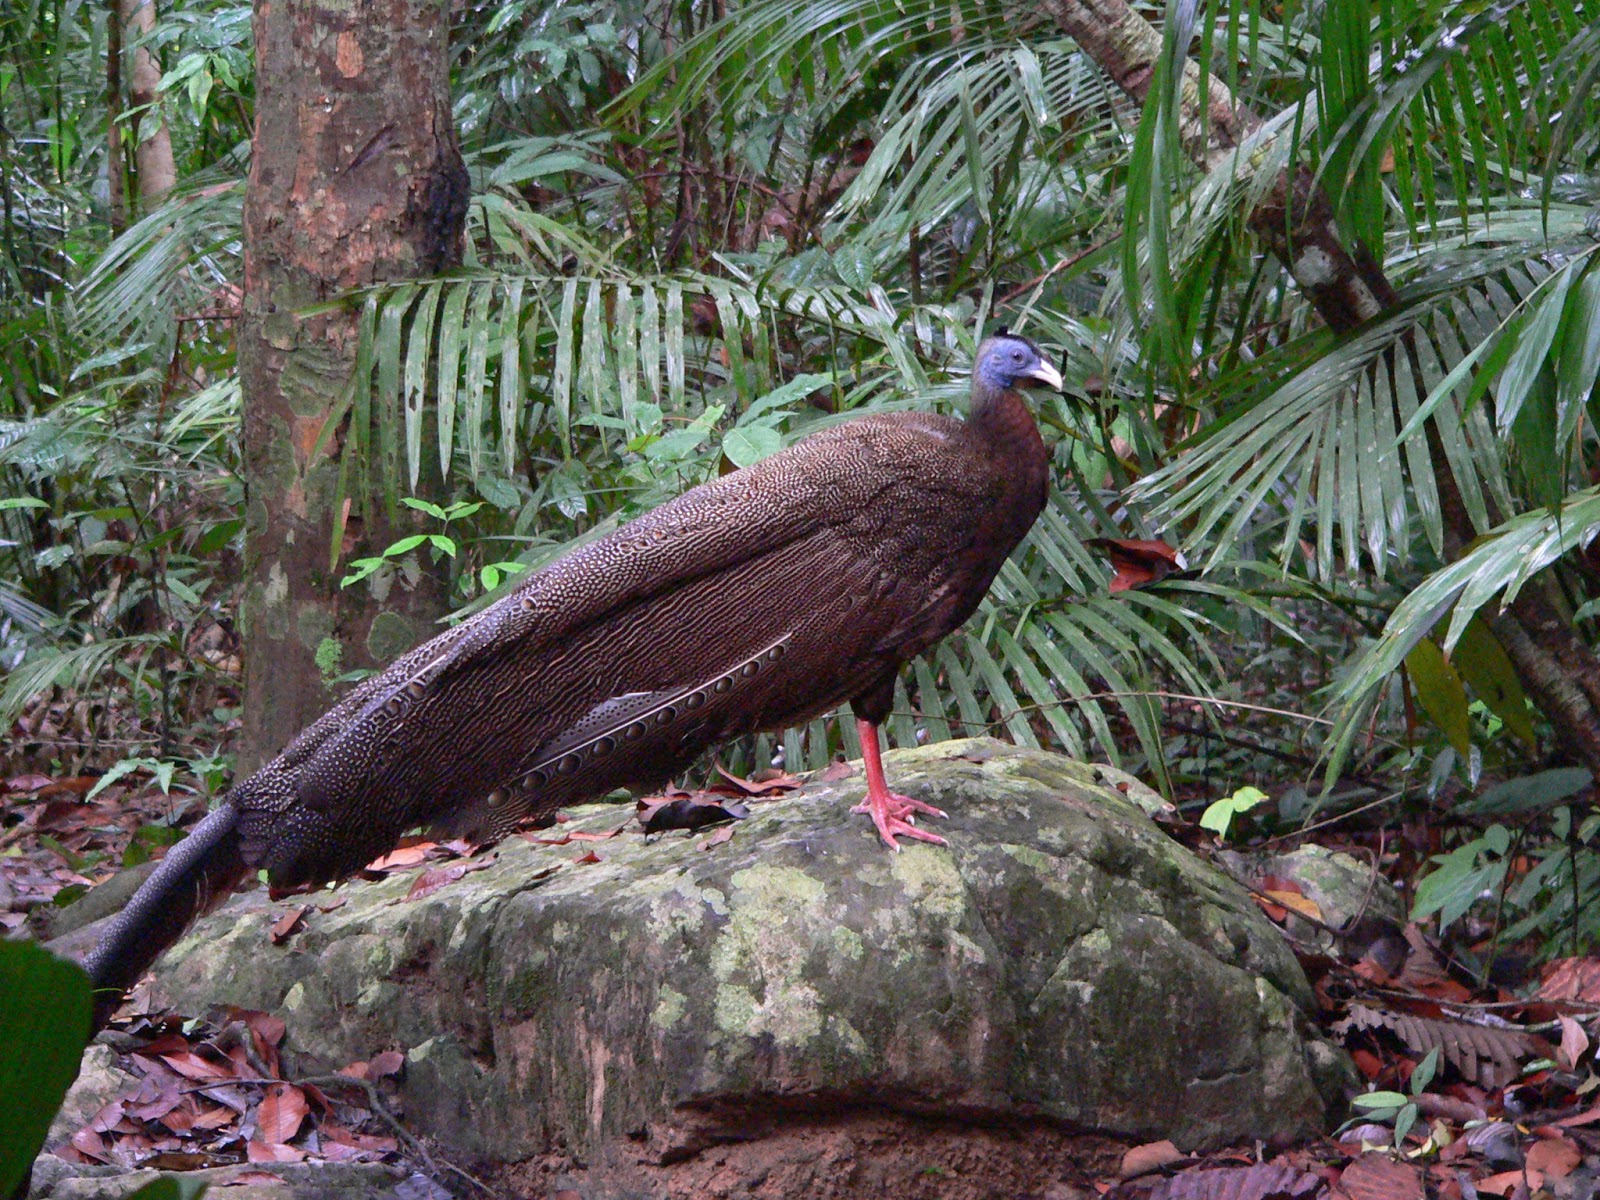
(890, 811)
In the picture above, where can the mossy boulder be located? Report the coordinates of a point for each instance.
(1062, 961)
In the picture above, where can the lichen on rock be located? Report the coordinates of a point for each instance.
(1062, 961)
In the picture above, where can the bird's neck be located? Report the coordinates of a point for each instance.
(1004, 416)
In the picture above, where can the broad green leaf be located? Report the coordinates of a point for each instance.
(170, 1187)
(747, 444)
(1438, 689)
(1219, 814)
(1527, 793)
(1482, 663)
(795, 389)
(1456, 883)
(1372, 1100)
(44, 1025)
(852, 265)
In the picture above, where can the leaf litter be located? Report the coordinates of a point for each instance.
(1512, 1110)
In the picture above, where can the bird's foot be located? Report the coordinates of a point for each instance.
(892, 813)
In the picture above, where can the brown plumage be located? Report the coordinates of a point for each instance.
(756, 601)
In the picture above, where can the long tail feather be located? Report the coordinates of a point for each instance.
(196, 874)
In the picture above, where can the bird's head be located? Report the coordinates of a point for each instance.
(1006, 360)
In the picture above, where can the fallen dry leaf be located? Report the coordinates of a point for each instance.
(1572, 979)
(215, 1118)
(1507, 1182)
(1574, 1041)
(180, 1118)
(287, 924)
(398, 860)
(191, 1066)
(1587, 1117)
(1376, 1176)
(387, 1063)
(372, 1143)
(1554, 1158)
(1297, 902)
(590, 857)
(282, 1110)
(1141, 1160)
(257, 1152)
(90, 1144)
(1262, 1181)
(432, 880)
(1488, 1056)
(268, 1027)
(755, 787)
(722, 835)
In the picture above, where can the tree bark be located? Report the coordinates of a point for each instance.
(355, 178)
(116, 197)
(1296, 221)
(152, 156)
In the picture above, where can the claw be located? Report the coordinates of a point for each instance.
(891, 812)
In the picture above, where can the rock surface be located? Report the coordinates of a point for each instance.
(1062, 966)
(58, 1180)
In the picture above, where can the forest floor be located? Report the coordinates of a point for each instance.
(1490, 1084)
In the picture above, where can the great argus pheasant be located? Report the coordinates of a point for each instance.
(756, 601)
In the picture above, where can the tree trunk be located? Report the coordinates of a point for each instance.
(355, 178)
(152, 155)
(116, 198)
(1295, 219)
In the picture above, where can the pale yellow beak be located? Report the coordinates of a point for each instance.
(1044, 374)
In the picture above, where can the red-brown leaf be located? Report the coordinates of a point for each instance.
(90, 1144)
(361, 1141)
(387, 1063)
(1587, 1117)
(434, 878)
(1137, 562)
(270, 1028)
(722, 835)
(164, 1101)
(191, 1066)
(282, 1110)
(751, 787)
(180, 1118)
(1574, 1042)
(287, 924)
(405, 856)
(1507, 1182)
(590, 857)
(273, 1152)
(1376, 1176)
(1554, 1158)
(431, 880)
(1141, 1160)
(1261, 1181)
(1572, 979)
(215, 1118)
